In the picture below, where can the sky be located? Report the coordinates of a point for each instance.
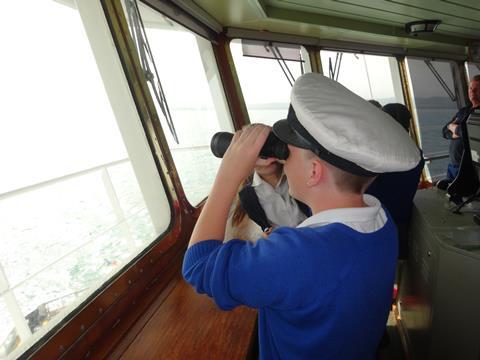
(55, 117)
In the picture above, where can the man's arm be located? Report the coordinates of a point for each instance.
(238, 162)
(449, 129)
(454, 129)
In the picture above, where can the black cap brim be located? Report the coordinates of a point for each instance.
(288, 135)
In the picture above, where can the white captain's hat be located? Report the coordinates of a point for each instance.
(345, 130)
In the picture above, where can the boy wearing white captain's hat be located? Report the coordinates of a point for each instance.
(323, 289)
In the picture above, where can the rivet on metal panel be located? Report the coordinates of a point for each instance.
(82, 327)
(100, 310)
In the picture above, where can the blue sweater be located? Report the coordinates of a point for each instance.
(321, 293)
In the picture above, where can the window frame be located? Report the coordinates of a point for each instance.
(397, 58)
(246, 114)
(139, 282)
(219, 103)
(460, 86)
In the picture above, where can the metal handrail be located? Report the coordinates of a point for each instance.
(46, 183)
(7, 291)
(63, 178)
(39, 185)
(435, 156)
(10, 288)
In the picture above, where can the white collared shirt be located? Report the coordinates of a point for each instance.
(281, 209)
(365, 219)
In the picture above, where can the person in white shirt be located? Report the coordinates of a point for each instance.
(271, 188)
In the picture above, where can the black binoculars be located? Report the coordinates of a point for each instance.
(273, 146)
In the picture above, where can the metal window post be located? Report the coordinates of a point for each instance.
(13, 308)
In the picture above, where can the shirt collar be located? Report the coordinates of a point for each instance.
(347, 215)
(257, 180)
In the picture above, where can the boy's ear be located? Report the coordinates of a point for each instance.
(317, 172)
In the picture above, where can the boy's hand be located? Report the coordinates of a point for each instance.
(242, 154)
(237, 164)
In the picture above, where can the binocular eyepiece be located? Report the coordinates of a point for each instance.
(273, 146)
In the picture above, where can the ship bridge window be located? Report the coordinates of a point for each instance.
(435, 100)
(184, 70)
(369, 76)
(472, 69)
(266, 72)
(80, 194)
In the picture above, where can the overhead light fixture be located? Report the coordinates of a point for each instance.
(422, 26)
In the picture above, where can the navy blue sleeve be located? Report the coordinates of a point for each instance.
(458, 131)
(460, 117)
(404, 184)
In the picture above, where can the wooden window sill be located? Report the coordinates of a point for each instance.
(187, 325)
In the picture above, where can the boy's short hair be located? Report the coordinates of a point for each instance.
(345, 181)
(348, 182)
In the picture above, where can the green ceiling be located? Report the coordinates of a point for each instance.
(378, 22)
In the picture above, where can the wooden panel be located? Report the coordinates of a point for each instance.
(118, 320)
(190, 326)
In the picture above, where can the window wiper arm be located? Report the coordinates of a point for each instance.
(146, 58)
(281, 61)
(439, 78)
(334, 70)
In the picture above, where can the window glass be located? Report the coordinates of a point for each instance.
(8, 332)
(472, 70)
(369, 76)
(80, 194)
(266, 80)
(191, 83)
(435, 105)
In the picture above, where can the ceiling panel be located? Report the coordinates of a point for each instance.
(469, 4)
(456, 20)
(379, 22)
